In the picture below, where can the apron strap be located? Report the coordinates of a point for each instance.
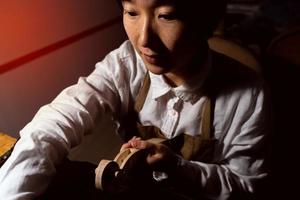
(190, 146)
(142, 94)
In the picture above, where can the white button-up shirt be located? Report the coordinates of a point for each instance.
(239, 124)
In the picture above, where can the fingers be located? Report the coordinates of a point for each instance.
(142, 144)
(153, 150)
(129, 144)
(159, 156)
(125, 146)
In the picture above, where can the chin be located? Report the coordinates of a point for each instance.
(156, 69)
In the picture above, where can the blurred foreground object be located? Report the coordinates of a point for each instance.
(6, 145)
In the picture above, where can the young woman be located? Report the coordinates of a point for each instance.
(163, 82)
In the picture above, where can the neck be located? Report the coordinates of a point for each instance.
(182, 74)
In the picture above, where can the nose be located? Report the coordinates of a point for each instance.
(147, 33)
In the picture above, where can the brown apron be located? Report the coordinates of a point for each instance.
(198, 147)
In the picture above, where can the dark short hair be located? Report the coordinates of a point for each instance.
(119, 3)
(203, 15)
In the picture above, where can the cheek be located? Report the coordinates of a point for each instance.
(130, 31)
(172, 37)
(186, 41)
(182, 47)
(170, 41)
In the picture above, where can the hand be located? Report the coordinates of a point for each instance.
(160, 157)
(128, 144)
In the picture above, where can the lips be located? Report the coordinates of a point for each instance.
(151, 59)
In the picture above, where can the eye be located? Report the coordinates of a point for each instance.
(168, 17)
(130, 13)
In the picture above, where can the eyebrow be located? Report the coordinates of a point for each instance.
(156, 3)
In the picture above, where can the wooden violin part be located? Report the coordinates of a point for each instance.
(129, 167)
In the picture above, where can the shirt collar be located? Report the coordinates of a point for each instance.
(159, 86)
(190, 91)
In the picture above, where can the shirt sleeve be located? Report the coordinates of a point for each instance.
(61, 125)
(241, 153)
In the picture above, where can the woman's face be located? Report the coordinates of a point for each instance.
(161, 35)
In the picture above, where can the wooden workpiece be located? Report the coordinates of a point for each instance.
(116, 175)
